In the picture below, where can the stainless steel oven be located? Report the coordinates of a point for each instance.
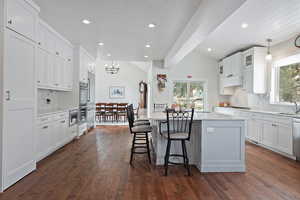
(83, 114)
(83, 94)
(73, 117)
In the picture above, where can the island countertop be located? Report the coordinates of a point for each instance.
(198, 116)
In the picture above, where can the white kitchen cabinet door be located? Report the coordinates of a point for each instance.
(285, 139)
(69, 74)
(22, 18)
(51, 70)
(58, 72)
(63, 134)
(227, 67)
(55, 135)
(269, 134)
(43, 140)
(41, 67)
(248, 80)
(42, 35)
(256, 130)
(19, 108)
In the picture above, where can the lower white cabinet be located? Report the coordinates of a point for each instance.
(272, 131)
(53, 132)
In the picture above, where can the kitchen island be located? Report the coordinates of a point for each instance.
(217, 142)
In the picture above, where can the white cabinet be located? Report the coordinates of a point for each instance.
(41, 65)
(285, 139)
(272, 131)
(55, 60)
(53, 132)
(22, 17)
(269, 134)
(19, 107)
(222, 89)
(254, 66)
(44, 140)
(232, 67)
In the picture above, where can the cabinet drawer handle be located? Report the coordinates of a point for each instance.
(57, 53)
(45, 127)
(40, 43)
(63, 121)
(38, 81)
(10, 22)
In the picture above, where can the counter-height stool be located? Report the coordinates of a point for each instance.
(140, 133)
(178, 128)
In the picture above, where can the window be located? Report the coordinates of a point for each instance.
(286, 80)
(186, 94)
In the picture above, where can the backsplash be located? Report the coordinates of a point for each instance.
(47, 101)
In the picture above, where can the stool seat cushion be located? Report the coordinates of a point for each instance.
(141, 129)
(139, 123)
(178, 136)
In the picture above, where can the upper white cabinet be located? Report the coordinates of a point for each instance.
(232, 69)
(22, 17)
(222, 89)
(254, 70)
(87, 63)
(54, 61)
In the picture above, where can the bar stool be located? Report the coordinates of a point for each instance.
(179, 127)
(140, 133)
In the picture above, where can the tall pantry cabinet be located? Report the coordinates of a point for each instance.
(18, 89)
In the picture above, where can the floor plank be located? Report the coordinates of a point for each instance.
(97, 167)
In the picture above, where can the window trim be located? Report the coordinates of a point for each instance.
(275, 74)
(205, 91)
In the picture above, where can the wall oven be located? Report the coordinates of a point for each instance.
(83, 114)
(83, 94)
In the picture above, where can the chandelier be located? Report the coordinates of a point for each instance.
(113, 68)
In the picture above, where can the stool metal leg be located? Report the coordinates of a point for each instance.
(148, 149)
(132, 148)
(186, 158)
(167, 157)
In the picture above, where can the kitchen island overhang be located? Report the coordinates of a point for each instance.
(217, 142)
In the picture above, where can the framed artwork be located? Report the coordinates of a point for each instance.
(116, 92)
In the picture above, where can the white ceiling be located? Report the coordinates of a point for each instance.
(276, 19)
(120, 24)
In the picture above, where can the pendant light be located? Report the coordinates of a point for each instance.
(269, 55)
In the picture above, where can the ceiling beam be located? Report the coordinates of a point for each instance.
(210, 14)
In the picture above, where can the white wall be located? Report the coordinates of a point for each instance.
(200, 67)
(129, 76)
(241, 98)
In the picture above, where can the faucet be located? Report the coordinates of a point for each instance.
(297, 107)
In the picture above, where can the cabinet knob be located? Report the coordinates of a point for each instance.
(40, 43)
(45, 127)
(9, 22)
(38, 81)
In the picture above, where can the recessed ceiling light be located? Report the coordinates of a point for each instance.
(151, 25)
(148, 45)
(108, 54)
(100, 43)
(244, 25)
(86, 21)
(146, 56)
(209, 49)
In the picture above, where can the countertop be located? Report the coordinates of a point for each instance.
(198, 116)
(265, 112)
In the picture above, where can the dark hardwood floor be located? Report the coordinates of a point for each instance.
(97, 167)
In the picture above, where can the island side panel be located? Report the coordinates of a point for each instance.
(160, 144)
(222, 146)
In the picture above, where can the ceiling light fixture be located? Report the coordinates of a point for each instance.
(108, 54)
(244, 25)
(146, 56)
(209, 49)
(100, 43)
(269, 55)
(148, 46)
(86, 21)
(151, 25)
(113, 68)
